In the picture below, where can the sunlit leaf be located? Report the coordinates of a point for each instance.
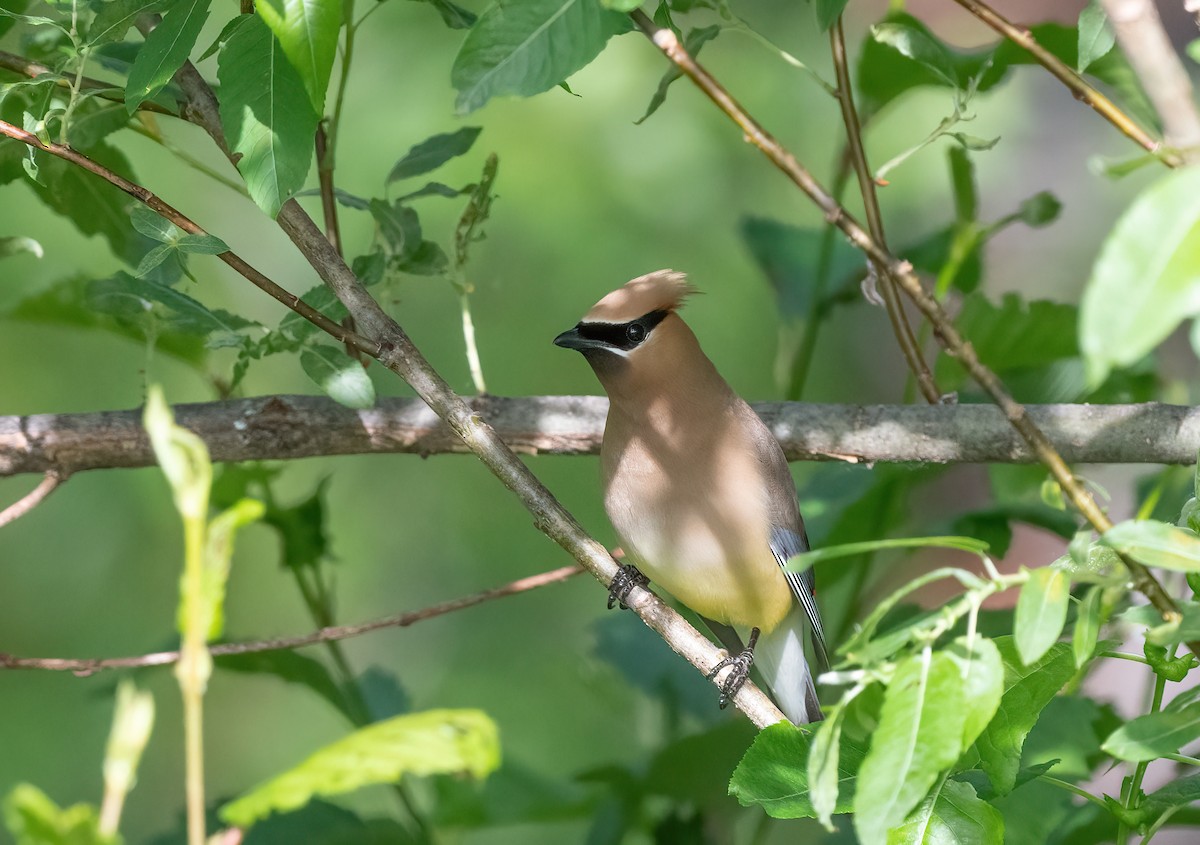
(1146, 280)
(1041, 612)
(982, 673)
(1151, 736)
(181, 454)
(268, 119)
(33, 819)
(919, 735)
(950, 815)
(773, 774)
(1027, 690)
(15, 245)
(341, 377)
(1155, 544)
(133, 718)
(1096, 37)
(432, 742)
(218, 552)
(307, 30)
(1087, 627)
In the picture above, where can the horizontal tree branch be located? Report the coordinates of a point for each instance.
(291, 427)
(85, 666)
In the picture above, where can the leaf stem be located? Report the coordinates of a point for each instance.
(192, 673)
(1070, 787)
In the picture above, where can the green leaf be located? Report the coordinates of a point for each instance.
(182, 456)
(154, 258)
(115, 18)
(823, 765)
(307, 30)
(270, 121)
(1039, 210)
(432, 742)
(201, 244)
(920, 45)
(1027, 690)
(790, 258)
(223, 37)
(528, 47)
(33, 819)
(290, 666)
(1096, 37)
(399, 226)
(123, 295)
(1087, 627)
(15, 245)
(153, 225)
(773, 776)
(1163, 633)
(621, 5)
(341, 377)
(919, 735)
(692, 42)
(93, 205)
(951, 815)
(828, 12)
(1146, 280)
(218, 553)
(95, 120)
(982, 673)
(696, 768)
(433, 152)
(1155, 544)
(1041, 612)
(453, 15)
(1174, 796)
(165, 50)
(1013, 336)
(1155, 734)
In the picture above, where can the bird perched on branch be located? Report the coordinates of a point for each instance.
(699, 491)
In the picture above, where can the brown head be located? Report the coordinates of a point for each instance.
(633, 336)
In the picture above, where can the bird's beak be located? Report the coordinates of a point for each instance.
(572, 339)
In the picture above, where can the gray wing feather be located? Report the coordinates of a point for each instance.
(786, 544)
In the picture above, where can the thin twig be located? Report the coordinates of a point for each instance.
(325, 179)
(1145, 43)
(33, 498)
(866, 186)
(287, 427)
(89, 666)
(1078, 86)
(147, 197)
(944, 329)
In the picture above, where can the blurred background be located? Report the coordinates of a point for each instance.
(586, 201)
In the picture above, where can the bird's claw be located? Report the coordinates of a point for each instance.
(628, 577)
(739, 670)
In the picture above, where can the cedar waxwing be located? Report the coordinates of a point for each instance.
(698, 489)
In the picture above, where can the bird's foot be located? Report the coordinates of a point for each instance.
(628, 577)
(739, 670)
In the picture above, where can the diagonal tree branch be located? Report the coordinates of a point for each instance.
(293, 427)
(1078, 86)
(50, 482)
(1142, 37)
(944, 329)
(866, 186)
(90, 665)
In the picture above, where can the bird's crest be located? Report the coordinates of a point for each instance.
(662, 290)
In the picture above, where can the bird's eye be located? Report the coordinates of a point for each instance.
(636, 332)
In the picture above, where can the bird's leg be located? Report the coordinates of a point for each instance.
(622, 584)
(740, 664)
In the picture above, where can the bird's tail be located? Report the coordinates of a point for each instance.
(781, 660)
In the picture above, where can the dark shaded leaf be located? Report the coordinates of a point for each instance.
(166, 49)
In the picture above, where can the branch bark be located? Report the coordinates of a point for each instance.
(1141, 35)
(293, 427)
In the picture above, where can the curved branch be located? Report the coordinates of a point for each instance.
(33, 498)
(90, 665)
(293, 427)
